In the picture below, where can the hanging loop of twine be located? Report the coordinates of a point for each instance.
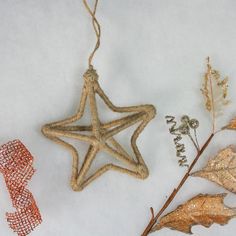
(97, 29)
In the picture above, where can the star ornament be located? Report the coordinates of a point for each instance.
(101, 135)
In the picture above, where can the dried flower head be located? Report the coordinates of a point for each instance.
(214, 90)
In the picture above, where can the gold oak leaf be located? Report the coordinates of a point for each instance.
(231, 125)
(200, 210)
(221, 169)
(214, 90)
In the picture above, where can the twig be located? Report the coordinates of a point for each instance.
(176, 190)
(194, 143)
(212, 95)
(195, 135)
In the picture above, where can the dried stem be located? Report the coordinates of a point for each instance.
(212, 95)
(195, 135)
(194, 143)
(176, 190)
(213, 110)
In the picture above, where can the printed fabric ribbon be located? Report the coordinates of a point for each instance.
(16, 165)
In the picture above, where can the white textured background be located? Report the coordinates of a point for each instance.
(152, 51)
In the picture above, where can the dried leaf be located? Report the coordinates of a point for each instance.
(214, 90)
(231, 125)
(200, 210)
(221, 169)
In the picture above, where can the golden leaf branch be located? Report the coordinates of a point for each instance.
(214, 91)
(154, 219)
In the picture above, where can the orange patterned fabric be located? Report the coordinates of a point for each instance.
(16, 165)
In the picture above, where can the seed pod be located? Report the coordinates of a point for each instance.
(194, 124)
(185, 119)
(184, 129)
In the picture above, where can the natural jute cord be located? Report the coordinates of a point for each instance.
(96, 26)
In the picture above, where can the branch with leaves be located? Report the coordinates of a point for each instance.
(203, 209)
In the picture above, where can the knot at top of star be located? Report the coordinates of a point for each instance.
(90, 75)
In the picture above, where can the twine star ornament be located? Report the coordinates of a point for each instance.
(101, 135)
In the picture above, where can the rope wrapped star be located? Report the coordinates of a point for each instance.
(101, 135)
